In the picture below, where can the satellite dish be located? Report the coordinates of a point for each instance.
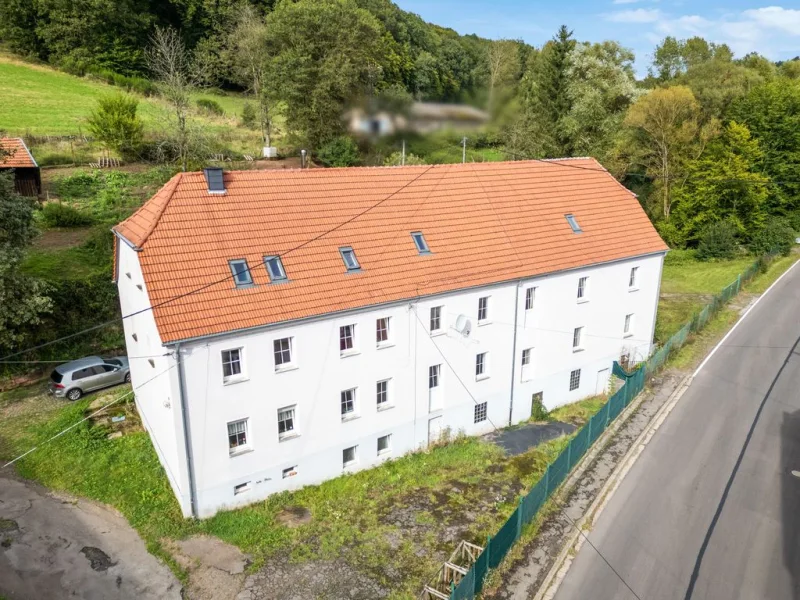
(463, 325)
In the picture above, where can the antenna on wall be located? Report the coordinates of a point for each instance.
(463, 325)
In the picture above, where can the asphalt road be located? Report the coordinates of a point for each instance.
(711, 509)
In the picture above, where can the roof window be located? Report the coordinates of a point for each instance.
(241, 272)
(214, 180)
(349, 258)
(573, 222)
(419, 241)
(275, 268)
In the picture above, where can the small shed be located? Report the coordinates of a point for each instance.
(16, 157)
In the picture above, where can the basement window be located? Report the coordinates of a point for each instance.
(241, 488)
(349, 258)
(241, 272)
(275, 268)
(573, 222)
(421, 244)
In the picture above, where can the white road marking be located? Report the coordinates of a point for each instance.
(747, 312)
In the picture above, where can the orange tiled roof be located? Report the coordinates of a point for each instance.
(19, 155)
(484, 223)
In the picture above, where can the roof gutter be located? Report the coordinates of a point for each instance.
(187, 439)
(399, 301)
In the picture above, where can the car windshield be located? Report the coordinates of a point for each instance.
(56, 376)
(114, 361)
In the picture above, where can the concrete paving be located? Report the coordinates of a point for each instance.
(711, 510)
(521, 439)
(53, 547)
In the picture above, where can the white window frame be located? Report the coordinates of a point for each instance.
(530, 298)
(290, 433)
(439, 319)
(351, 265)
(574, 380)
(289, 472)
(481, 366)
(233, 377)
(577, 339)
(242, 488)
(627, 329)
(583, 289)
(288, 365)
(420, 242)
(387, 392)
(526, 367)
(483, 308)
(434, 374)
(480, 413)
(352, 414)
(353, 349)
(573, 223)
(388, 341)
(247, 445)
(388, 448)
(354, 461)
(281, 271)
(632, 279)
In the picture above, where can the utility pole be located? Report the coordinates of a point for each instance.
(464, 149)
(403, 155)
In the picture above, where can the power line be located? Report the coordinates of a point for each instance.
(74, 425)
(66, 360)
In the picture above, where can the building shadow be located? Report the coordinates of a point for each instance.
(790, 497)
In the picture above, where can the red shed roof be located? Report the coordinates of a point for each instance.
(16, 154)
(484, 223)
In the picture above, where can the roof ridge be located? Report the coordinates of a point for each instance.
(168, 190)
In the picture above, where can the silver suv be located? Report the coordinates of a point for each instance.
(79, 377)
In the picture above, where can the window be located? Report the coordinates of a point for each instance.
(526, 357)
(480, 412)
(576, 338)
(282, 349)
(382, 393)
(574, 380)
(241, 272)
(530, 297)
(231, 364)
(481, 366)
(349, 258)
(433, 376)
(385, 444)
(348, 403)
(436, 318)
(628, 330)
(573, 222)
(583, 284)
(349, 456)
(241, 488)
(382, 331)
(632, 278)
(419, 241)
(237, 436)
(286, 422)
(347, 335)
(275, 268)
(483, 308)
(289, 472)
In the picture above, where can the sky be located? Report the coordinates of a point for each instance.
(770, 29)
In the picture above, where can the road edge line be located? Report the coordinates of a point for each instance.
(746, 312)
(557, 573)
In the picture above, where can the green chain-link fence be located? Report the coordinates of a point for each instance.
(498, 546)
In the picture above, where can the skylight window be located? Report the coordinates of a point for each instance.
(349, 258)
(275, 268)
(573, 222)
(419, 241)
(241, 272)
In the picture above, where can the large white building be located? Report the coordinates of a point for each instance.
(297, 325)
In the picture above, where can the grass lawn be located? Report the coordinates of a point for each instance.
(394, 523)
(698, 277)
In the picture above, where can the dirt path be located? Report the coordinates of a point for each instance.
(60, 547)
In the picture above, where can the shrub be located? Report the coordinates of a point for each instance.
(209, 106)
(395, 158)
(115, 123)
(718, 241)
(680, 257)
(79, 185)
(249, 118)
(671, 234)
(55, 214)
(776, 237)
(339, 152)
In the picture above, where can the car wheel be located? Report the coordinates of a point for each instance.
(127, 377)
(74, 394)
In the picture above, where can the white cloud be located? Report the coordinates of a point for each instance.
(775, 17)
(625, 1)
(639, 15)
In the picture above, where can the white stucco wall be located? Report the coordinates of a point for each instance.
(320, 375)
(154, 374)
